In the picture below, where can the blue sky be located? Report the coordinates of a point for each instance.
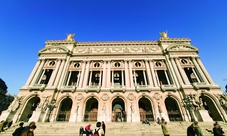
(25, 25)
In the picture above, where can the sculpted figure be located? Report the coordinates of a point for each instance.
(70, 37)
(163, 35)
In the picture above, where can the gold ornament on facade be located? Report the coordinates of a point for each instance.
(164, 35)
(70, 37)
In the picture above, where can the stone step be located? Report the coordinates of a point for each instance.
(113, 128)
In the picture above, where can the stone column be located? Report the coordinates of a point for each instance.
(122, 78)
(145, 78)
(112, 79)
(86, 74)
(205, 71)
(176, 71)
(82, 74)
(104, 74)
(130, 74)
(68, 78)
(126, 75)
(148, 72)
(37, 72)
(153, 74)
(54, 74)
(185, 79)
(108, 74)
(59, 73)
(199, 70)
(100, 78)
(171, 71)
(78, 79)
(167, 77)
(33, 73)
(89, 83)
(64, 72)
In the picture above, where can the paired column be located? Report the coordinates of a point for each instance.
(153, 74)
(78, 78)
(171, 71)
(176, 71)
(148, 72)
(130, 74)
(104, 74)
(86, 74)
(38, 72)
(145, 78)
(54, 74)
(126, 74)
(33, 73)
(60, 72)
(205, 71)
(64, 72)
(82, 74)
(185, 79)
(100, 78)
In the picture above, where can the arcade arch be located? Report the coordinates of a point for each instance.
(145, 109)
(29, 108)
(209, 105)
(118, 110)
(173, 109)
(91, 110)
(65, 110)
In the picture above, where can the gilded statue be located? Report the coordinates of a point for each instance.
(163, 35)
(70, 37)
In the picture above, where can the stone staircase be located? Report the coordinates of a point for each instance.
(115, 128)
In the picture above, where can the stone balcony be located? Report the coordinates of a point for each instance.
(168, 87)
(201, 85)
(39, 87)
(68, 88)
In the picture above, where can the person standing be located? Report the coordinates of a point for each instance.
(190, 130)
(164, 129)
(197, 129)
(27, 127)
(104, 128)
(217, 130)
(81, 131)
(98, 130)
(18, 131)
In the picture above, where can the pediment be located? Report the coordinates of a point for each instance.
(54, 49)
(182, 47)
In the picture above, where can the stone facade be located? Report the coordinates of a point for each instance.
(119, 81)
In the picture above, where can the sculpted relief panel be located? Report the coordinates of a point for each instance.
(118, 49)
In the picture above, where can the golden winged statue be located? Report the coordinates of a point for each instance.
(70, 37)
(163, 35)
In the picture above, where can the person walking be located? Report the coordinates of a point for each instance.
(18, 131)
(27, 127)
(164, 129)
(197, 129)
(29, 131)
(217, 130)
(104, 128)
(190, 130)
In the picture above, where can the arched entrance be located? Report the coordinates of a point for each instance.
(173, 109)
(29, 108)
(208, 105)
(91, 110)
(65, 110)
(118, 110)
(145, 109)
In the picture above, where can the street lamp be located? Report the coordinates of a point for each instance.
(51, 105)
(188, 104)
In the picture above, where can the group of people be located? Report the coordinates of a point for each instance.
(100, 130)
(25, 131)
(5, 125)
(195, 130)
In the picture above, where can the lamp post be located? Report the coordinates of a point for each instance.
(188, 104)
(51, 107)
